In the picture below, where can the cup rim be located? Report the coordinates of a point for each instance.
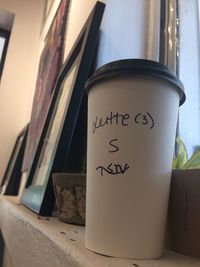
(136, 67)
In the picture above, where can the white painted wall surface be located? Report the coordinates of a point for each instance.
(19, 75)
(124, 31)
(79, 12)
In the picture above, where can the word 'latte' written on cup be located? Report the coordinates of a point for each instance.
(119, 119)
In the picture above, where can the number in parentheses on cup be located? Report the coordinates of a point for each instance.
(145, 119)
(152, 120)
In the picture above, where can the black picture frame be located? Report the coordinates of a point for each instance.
(54, 145)
(12, 176)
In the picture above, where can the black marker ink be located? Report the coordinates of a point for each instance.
(151, 120)
(145, 119)
(116, 148)
(125, 118)
(110, 119)
(113, 169)
(137, 116)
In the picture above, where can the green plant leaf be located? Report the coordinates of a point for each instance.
(182, 157)
(194, 161)
(176, 162)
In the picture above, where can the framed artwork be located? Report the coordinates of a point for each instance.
(54, 145)
(11, 180)
(49, 67)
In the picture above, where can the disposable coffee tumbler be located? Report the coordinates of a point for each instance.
(132, 118)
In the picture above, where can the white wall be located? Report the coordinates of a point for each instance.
(20, 70)
(79, 11)
(123, 31)
(129, 30)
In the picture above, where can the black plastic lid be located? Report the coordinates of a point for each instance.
(137, 66)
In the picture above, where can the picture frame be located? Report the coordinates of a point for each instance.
(11, 179)
(50, 64)
(55, 141)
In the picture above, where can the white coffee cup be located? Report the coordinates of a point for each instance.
(132, 117)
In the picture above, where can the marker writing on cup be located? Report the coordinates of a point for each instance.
(111, 119)
(119, 119)
(123, 119)
(113, 168)
(115, 148)
(145, 119)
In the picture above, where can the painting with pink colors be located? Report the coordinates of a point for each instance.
(51, 60)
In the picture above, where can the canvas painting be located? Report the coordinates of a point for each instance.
(50, 63)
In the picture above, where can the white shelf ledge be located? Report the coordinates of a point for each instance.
(37, 242)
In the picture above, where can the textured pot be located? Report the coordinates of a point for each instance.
(70, 194)
(184, 213)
